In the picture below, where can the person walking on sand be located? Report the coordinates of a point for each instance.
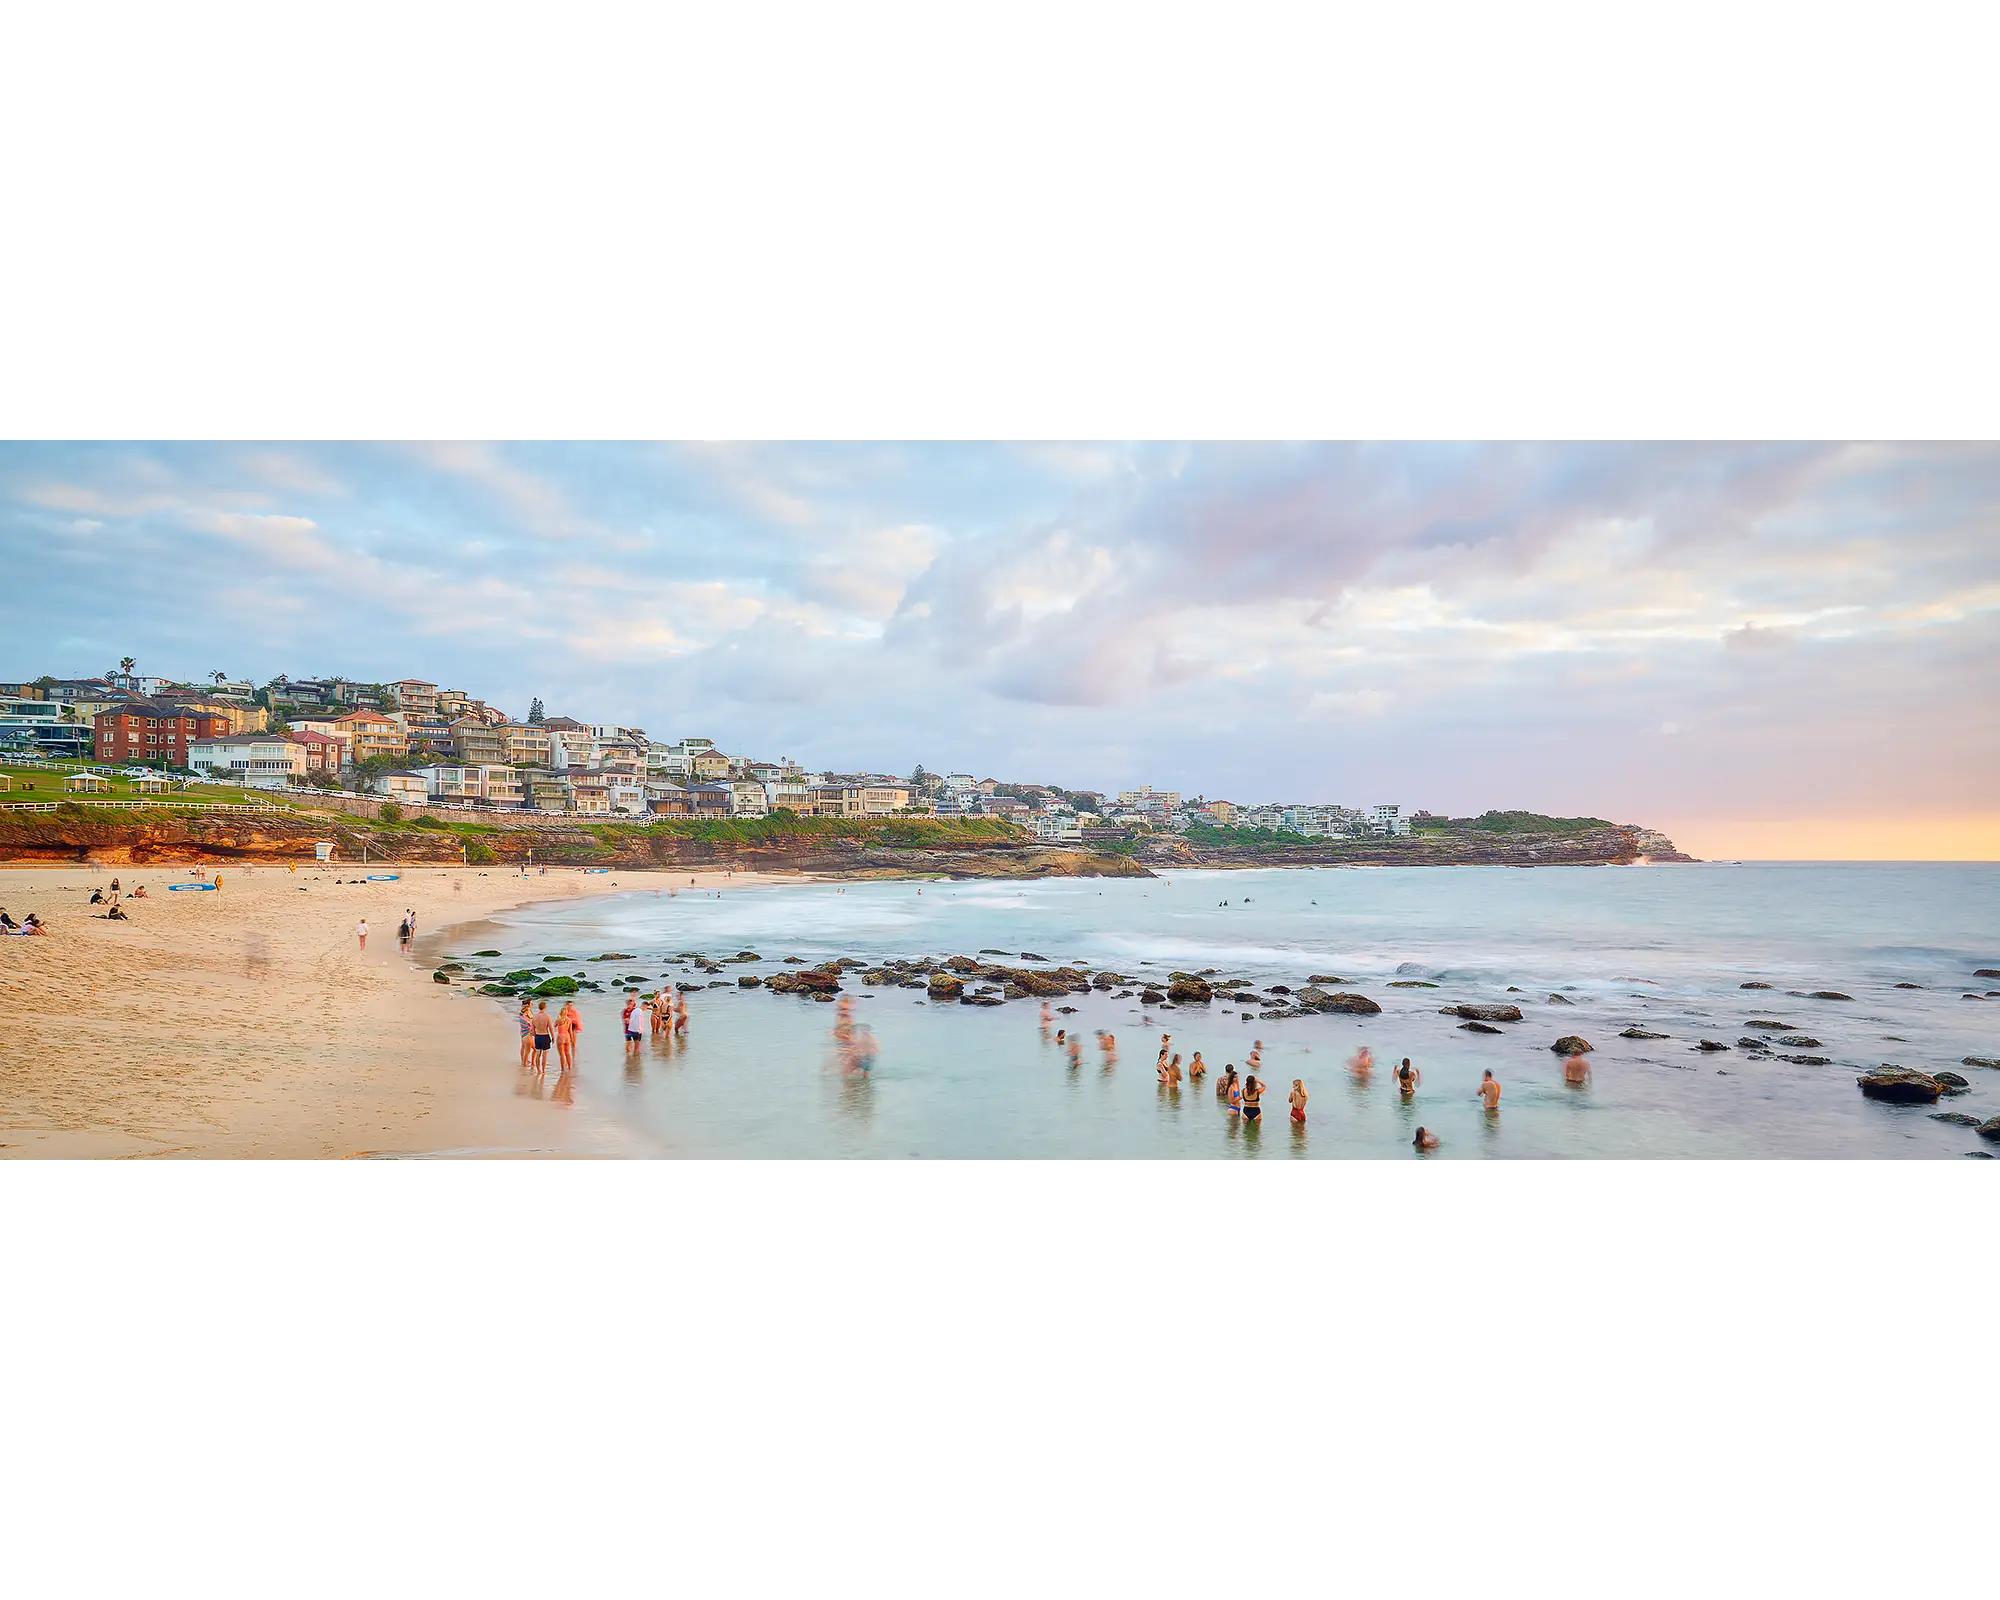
(545, 1032)
(569, 1023)
(1298, 1099)
(1489, 1090)
(361, 932)
(1408, 1079)
(527, 1034)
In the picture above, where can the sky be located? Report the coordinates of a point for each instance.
(1765, 650)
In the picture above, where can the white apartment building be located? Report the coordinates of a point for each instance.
(677, 760)
(1055, 827)
(793, 795)
(255, 760)
(1388, 820)
(746, 798)
(491, 782)
(1150, 800)
(405, 788)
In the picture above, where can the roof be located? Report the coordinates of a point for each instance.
(155, 708)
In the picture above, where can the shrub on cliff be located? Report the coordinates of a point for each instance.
(390, 812)
(480, 855)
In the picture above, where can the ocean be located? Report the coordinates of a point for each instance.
(1665, 948)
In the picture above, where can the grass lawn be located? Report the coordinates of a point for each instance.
(46, 783)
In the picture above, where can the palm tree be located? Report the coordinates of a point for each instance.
(126, 664)
(220, 677)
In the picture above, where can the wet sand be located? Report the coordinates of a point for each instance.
(247, 1022)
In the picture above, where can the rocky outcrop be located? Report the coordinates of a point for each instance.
(943, 986)
(1900, 1086)
(1612, 844)
(1311, 998)
(1186, 989)
(1828, 994)
(1640, 1033)
(810, 982)
(1479, 1027)
(1486, 1013)
(1571, 1044)
(1981, 1061)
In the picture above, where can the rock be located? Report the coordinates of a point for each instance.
(1571, 1044)
(1751, 1042)
(1029, 955)
(1560, 1000)
(1989, 1129)
(1514, 988)
(1808, 1061)
(1356, 1005)
(1799, 1041)
(1909, 986)
(1323, 977)
(1188, 990)
(1479, 1027)
(1978, 1155)
(1986, 972)
(1962, 1119)
(990, 952)
(1767, 1023)
(1488, 1013)
(812, 982)
(1711, 1045)
(1952, 1081)
(980, 1000)
(558, 958)
(1412, 983)
(961, 964)
(797, 961)
(944, 986)
(478, 953)
(556, 985)
(1981, 1061)
(1151, 997)
(748, 980)
(1414, 969)
(1278, 988)
(1753, 986)
(615, 955)
(1641, 1033)
(439, 977)
(1828, 994)
(1067, 1011)
(1899, 1085)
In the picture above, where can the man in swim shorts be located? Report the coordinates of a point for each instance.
(1489, 1090)
(545, 1035)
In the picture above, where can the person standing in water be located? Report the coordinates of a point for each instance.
(1197, 1068)
(1576, 1068)
(1253, 1095)
(1226, 1082)
(1489, 1090)
(545, 1035)
(1408, 1078)
(569, 1023)
(631, 1016)
(1362, 1064)
(1235, 1091)
(1298, 1099)
(681, 1016)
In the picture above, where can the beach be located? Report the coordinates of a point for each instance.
(246, 1021)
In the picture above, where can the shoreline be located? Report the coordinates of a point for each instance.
(247, 1022)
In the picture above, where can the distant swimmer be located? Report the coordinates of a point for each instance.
(569, 1023)
(1408, 1078)
(1298, 1099)
(1425, 1140)
(1256, 1056)
(1253, 1095)
(1197, 1068)
(1362, 1063)
(1489, 1090)
(1062, 1036)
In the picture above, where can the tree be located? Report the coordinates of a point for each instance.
(219, 677)
(535, 712)
(917, 778)
(126, 664)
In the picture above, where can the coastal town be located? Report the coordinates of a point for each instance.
(413, 743)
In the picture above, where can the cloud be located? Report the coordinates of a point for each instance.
(1458, 625)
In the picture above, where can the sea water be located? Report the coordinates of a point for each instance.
(1664, 947)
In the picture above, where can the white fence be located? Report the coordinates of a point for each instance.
(177, 805)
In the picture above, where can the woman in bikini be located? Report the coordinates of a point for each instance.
(1253, 1095)
(527, 1032)
(1408, 1078)
(569, 1023)
(1298, 1099)
(1235, 1091)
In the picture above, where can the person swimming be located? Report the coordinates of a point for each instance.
(1425, 1140)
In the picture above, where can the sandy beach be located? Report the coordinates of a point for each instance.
(247, 1021)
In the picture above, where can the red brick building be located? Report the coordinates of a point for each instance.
(144, 730)
(324, 753)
